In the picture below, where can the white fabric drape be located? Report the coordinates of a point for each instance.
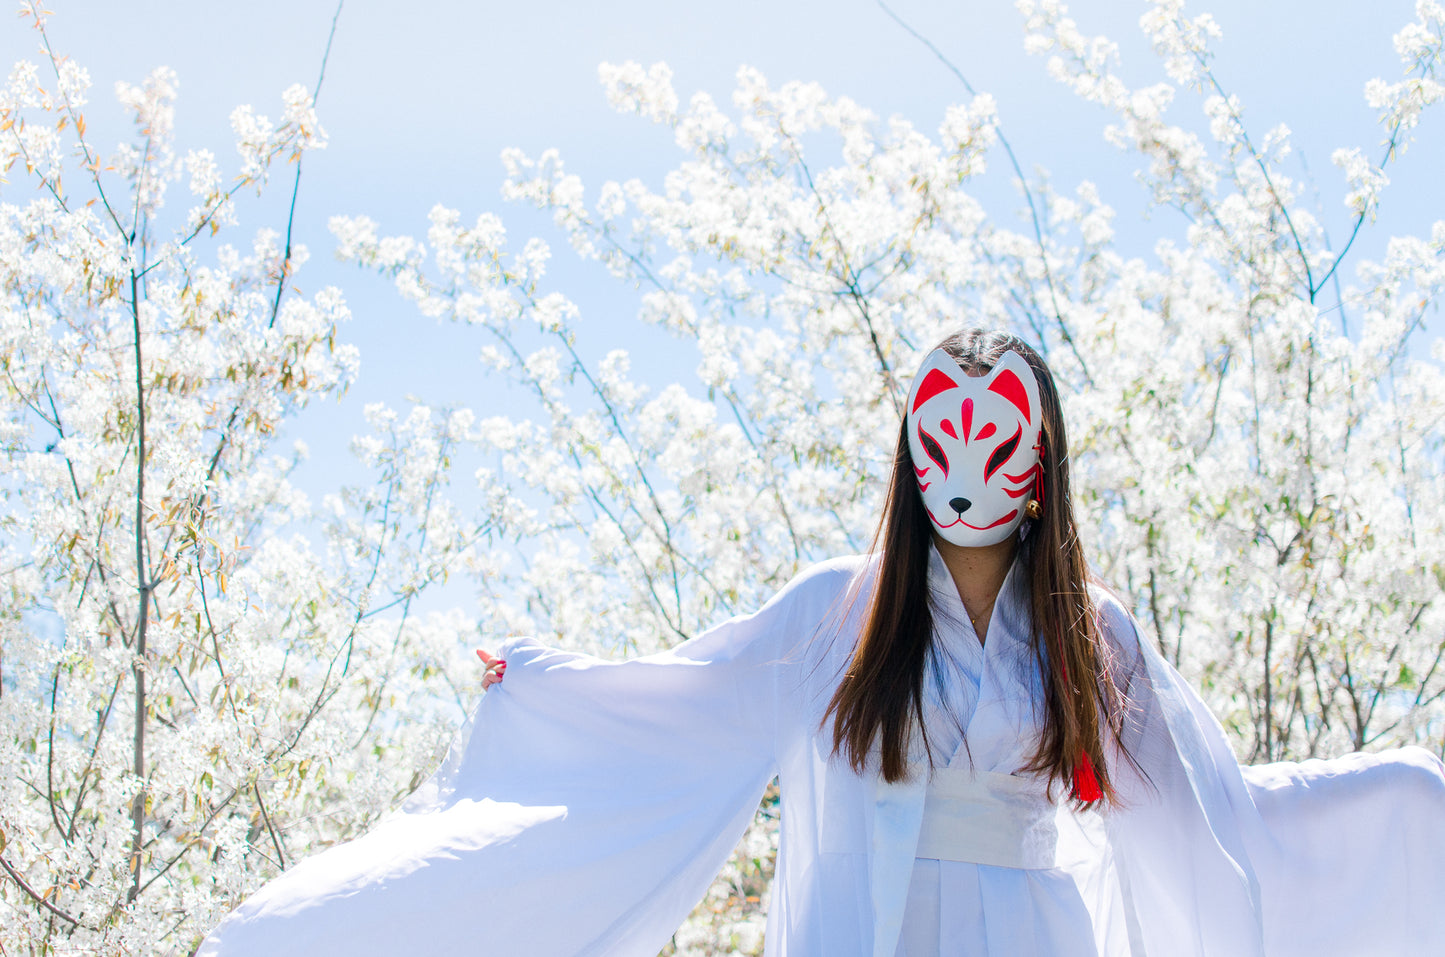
(586, 805)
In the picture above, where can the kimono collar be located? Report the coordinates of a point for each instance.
(1011, 609)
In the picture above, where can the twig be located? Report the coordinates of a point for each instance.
(296, 183)
(39, 899)
(850, 276)
(1023, 185)
(143, 587)
(280, 854)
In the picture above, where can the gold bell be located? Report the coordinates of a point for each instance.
(1033, 509)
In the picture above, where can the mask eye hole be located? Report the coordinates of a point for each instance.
(1002, 454)
(934, 450)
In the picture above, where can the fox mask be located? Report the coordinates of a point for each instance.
(976, 446)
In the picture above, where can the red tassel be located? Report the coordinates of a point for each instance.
(1086, 782)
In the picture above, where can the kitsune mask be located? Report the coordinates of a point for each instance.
(975, 442)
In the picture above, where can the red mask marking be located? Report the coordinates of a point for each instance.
(934, 450)
(1007, 385)
(987, 430)
(932, 384)
(967, 414)
(1003, 453)
(958, 520)
(947, 427)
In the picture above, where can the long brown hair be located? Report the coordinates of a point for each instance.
(881, 694)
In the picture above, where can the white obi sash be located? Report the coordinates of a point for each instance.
(1006, 820)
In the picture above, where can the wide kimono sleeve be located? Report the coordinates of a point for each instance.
(1338, 858)
(582, 810)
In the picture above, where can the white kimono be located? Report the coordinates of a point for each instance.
(586, 806)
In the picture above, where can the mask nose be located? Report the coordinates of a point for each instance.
(959, 505)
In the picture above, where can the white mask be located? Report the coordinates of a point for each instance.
(976, 444)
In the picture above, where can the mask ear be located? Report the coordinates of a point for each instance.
(939, 374)
(1012, 378)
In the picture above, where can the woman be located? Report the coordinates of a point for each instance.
(976, 755)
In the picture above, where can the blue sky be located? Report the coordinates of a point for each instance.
(421, 97)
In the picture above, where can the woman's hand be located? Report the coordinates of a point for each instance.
(496, 669)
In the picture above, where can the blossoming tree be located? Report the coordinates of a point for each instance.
(206, 677)
(199, 668)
